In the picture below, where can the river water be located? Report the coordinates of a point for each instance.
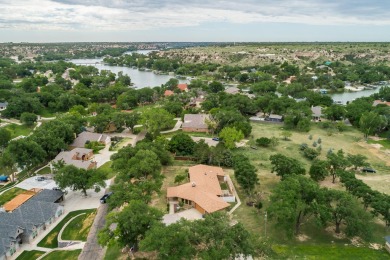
(142, 79)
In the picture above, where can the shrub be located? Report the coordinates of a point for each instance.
(319, 140)
(310, 137)
(310, 153)
(314, 144)
(303, 146)
(263, 141)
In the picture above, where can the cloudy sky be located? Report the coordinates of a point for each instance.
(194, 20)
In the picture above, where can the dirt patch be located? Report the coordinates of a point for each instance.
(377, 182)
(332, 230)
(302, 238)
(356, 241)
(375, 150)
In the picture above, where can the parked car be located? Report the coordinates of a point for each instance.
(368, 169)
(215, 139)
(105, 197)
(40, 178)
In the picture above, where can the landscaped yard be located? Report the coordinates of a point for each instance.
(326, 252)
(29, 255)
(106, 169)
(43, 171)
(17, 130)
(51, 239)
(63, 254)
(10, 194)
(79, 227)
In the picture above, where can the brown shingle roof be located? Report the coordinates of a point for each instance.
(203, 188)
(195, 121)
(83, 137)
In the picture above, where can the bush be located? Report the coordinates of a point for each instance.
(310, 153)
(319, 140)
(303, 146)
(310, 137)
(314, 144)
(263, 141)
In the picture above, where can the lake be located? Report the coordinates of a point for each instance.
(350, 96)
(141, 79)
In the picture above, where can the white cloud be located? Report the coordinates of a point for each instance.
(100, 15)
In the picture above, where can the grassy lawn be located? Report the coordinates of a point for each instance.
(328, 252)
(106, 168)
(51, 239)
(63, 254)
(384, 143)
(47, 113)
(79, 228)
(196, 134)
(43, 171)
(122, 143)
(113, 252)
(10, 194)
(17, 130)
(28, 255)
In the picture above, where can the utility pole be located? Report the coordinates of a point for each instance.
(265, 224)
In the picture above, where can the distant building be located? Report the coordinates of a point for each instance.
(183, 87)
(168, 93)
(86, 137)
(316, 113)
(380, 102)
(274, 118)
(3, 105)
(195, 123)
(78, 157)
(232, 90)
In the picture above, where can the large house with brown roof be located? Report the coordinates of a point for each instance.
(195, 123)
(78, 157)
(203, 192)
(86, 137)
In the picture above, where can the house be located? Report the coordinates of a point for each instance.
(28, 219)
(203, 192)
(232, 90)
(195, 123)
(168, 93)
(376, 102)
(3, 105)
(316, 113)
(183, 87)
(78, 157)
(86, 137)
(274, 118)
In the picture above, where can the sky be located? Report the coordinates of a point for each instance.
(194, 20)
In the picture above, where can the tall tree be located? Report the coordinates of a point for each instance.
(293, 202)
(26, 152)
(230, 135)
(182, 144)
(371, 123)
(285, 166)
(79, 179)
(337, 162)
(155, 120)
(319, 170)
(131, 224)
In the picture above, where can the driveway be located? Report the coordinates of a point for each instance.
(189, 214)
(175, 128)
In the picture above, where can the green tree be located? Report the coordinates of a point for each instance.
(79, 179)
(335, 112)
(293, 202)
(357, 160)
(246, 176)
(28, 119)
(285, 166)
(201, 151)
(211, 238)
(131, 224)
(155, 120)
(182, 144)
(337, 162)
(345, 209)
(319, 170)
(5, 137)
(286, 135)
(26, 152)
(371, 123)
(216, 87)
(263, 141)
(230, 136)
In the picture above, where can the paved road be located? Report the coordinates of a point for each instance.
(92, 249)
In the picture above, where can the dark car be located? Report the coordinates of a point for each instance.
(215, 139)
(40, 178)
(105, 197)
(368, 169)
